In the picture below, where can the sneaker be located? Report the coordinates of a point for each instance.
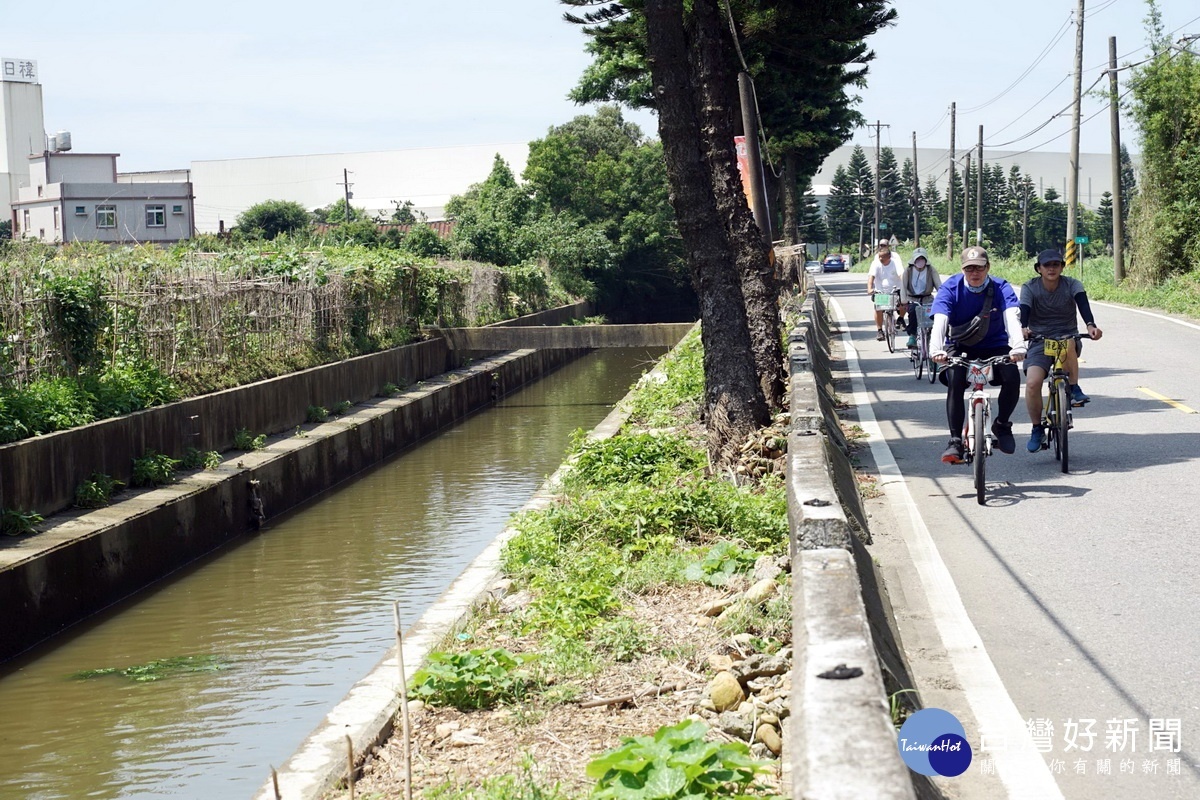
(953, 453)
(912, 343)
(1035, 439)
(1078, 398)
(879, 335)
(1004, 437)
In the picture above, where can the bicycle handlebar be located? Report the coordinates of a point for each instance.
(1037, 337)
(962, 361)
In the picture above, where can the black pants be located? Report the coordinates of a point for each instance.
(910, 325)
(1006, 375)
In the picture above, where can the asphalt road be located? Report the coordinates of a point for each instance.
(1083, 587)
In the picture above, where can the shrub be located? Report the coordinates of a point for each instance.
(194, 458)
(317, 414)
(97, 491)
(477, 679)
(154, 469)
(16, 523)
(243, 439)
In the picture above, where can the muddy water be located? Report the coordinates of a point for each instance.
(295, 615)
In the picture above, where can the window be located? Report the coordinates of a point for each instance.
(26, 225)
(106, 216)
(81, 211)
(177, 209)
(40, 191)
(156, 216)
(56, 218)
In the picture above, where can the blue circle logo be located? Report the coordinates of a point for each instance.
(933, 742)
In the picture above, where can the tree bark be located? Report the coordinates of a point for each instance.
(717, 97)
(734, 402)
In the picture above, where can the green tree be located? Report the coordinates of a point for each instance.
(812, 225)
(402, 213)
(489, 216)
(893, 198)
(6, 229)
(1106, 218)
(422, 240)
(842, 208)
(862, 181)
(270, 218)
(335, 213)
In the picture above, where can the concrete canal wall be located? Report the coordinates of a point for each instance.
(82, 561)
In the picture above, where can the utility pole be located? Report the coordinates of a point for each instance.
(979, 193)
(916, 196)
(1073, 194)
(1025, 216)
(1114, 114)
(950, 193)
(878, 180)
(966, 194)
(758, 195)
(346, 184)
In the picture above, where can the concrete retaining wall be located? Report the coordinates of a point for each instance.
(41, 473)
(842, 743)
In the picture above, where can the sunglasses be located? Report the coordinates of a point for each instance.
(974, 268)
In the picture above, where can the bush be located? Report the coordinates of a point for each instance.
(154, 469)
(477, 679)
(270, 218)
(194, 458)
(97, 491)
(243, 439)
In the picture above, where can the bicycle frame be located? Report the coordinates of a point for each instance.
(920, 356)
(978, 440)
(1057, 417)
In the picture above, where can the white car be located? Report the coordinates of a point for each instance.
(813, 267)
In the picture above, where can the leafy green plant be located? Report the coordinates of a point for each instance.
(479, 678)
(243, 439)
(158, 669)
(722, 561)
(340, 407)
(17, 523)
(194, 458)
(318, 414)
(622, 638)
(524, 786)
(97, 491)
(675, 762)
(154, 469)
(391, 389)
(633, 458)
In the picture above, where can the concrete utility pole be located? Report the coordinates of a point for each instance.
(1025, 216)
(875, 230)
(966, 194)
(1114, 114)
(346, 184)
(916, 195)
(758, 195)
(1073, 193)
(979, 193)
(950, 193)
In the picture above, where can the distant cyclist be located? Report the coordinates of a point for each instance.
(1049, 304)
(883, 276)
(919, 282)
(964, 321)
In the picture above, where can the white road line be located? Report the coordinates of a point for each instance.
(1021, 769)
(1146, 313)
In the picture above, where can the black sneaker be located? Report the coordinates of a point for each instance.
(879, 335)
(1004, 437)
(953, 453)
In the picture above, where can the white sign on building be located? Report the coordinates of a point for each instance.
(18, 70)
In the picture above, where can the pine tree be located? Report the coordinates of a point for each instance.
(893, 198)
(841, 210)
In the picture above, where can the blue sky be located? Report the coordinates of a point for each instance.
(164, 85)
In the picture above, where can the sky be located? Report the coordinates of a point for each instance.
(168, 84)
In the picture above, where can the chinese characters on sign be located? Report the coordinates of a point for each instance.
(19, 70)
(1123, 738)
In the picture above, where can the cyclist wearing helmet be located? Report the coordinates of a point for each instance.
(883, 276)
(919, 281)
(960, 304)
(1048, 306)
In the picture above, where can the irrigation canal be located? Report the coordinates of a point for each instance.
(294, 615)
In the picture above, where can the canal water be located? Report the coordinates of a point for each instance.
(294, 615)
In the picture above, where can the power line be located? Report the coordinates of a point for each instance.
(1041, 57)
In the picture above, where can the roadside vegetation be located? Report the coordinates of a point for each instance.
(592, 670)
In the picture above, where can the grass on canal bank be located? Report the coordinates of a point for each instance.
(639, 643)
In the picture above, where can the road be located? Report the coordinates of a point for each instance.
(1078, 592)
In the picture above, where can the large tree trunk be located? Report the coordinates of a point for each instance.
(712, 66)
(791, 200)
(733, 400)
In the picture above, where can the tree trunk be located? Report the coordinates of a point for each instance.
(716, 86)
(733, 400)
(791, 201)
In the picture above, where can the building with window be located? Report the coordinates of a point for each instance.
(77, 197)
(22, 131)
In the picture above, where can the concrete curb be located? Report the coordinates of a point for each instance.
(841, 737)
(367, 713)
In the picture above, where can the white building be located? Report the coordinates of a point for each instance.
(22, 132)
(76, 197)
(426, 176)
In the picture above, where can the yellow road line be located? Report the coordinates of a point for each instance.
(1167, 400)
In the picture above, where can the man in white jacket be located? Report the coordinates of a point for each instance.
(961, 298)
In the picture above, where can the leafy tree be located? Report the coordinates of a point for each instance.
(6, 229)
(424, 241)
(489, 217)
(270, 218)
(335, 213)
(893, 198)
(402, 213)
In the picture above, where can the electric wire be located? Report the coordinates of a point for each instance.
(1062, 31)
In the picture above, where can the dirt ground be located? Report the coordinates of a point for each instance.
(457, 750)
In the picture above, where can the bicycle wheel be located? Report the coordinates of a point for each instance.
(1052, 415)
(889, 330)
(980, 457)
(929, 362)
(1064, 424)
(917, 356)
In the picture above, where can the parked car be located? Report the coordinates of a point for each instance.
(813, 267)
(836, 263)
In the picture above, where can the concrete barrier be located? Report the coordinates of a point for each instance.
(841, 740)
(565, 336)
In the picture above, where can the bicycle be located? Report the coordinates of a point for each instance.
(1057, 417)
(886, 302)
(920, 357)
(977, 436)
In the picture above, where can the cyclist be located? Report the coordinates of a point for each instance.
(883, 276)
(1048, 306)
(918, 282)
(965, 321)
